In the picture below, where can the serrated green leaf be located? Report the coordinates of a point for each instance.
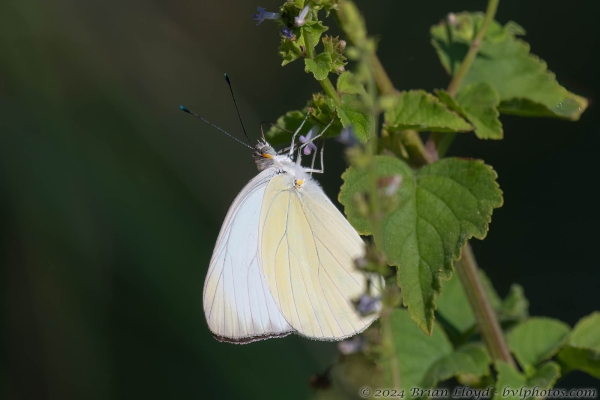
(583, 352)
(347, 83)
(586, 334)
(352, 114)
(320, 66)
(471, 359)
(509, 382)
(421, 111)
(327, 5)
(416, 351)
(477, 103)
(426, 360)
(440, 207)
(545, 377)
(572, 358)
(314, 29)
(536, 340)
(289, 50)
(522, 80)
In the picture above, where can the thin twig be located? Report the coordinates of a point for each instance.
(485, 315)
(440, 142)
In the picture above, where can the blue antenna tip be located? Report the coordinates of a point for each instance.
(226, 77)
(183, 108)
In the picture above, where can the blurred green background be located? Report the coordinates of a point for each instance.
(111, 198)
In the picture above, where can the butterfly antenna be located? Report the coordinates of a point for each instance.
(236, 106)
(184, 109)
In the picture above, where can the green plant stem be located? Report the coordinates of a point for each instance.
(409, 138)
(465, 66)
(351, 22)
(330, 91)
(384, 83)
(467, 268)
(485, 315)
(440, 142)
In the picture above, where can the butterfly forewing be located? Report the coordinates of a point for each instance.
(238, 305)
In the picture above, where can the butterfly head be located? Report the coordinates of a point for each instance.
(264, 155)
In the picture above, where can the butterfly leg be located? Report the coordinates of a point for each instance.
(296, 133)
(311, 170)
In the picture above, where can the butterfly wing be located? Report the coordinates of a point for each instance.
(307, 252)
(238, 305)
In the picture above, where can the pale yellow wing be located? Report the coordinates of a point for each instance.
(307, 249)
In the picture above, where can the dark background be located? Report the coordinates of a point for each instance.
(111, 198)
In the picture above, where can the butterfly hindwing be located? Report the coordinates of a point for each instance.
(307, 250)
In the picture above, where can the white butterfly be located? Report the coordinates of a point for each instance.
(284, 259)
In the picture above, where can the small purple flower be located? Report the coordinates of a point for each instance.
(353, 345)
(262, 15)
(287, 32)
(301, 18)
(304, 139)
(347, 137)
(368, 304)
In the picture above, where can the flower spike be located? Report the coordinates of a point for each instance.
(262, 15)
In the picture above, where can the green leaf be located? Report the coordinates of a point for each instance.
(471, 359)
(536, 340)
(453, 304)
(522, 80)
(314, 29)
(509, 382)
(441, 206)
(583, 352)
(422, 111)
(545, 377)
(289, 50)
(425, 360)
(477, 103)
(352, 114)
(347, 83)
(320, 66)
(586, 334)
(327, 5)
(454, 307)
(572, 358)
